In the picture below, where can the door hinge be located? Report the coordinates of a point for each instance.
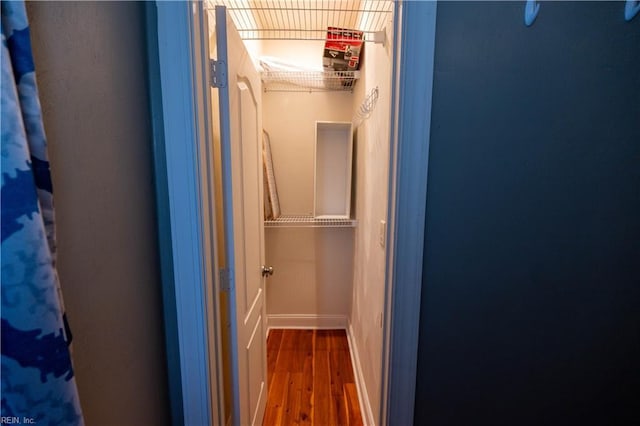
(226, 279)
(218, 73)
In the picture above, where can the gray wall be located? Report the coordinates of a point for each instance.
(531, 291)
(91, 66)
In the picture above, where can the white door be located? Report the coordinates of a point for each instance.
(240, 134)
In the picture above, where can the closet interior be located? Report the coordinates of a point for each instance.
(326, 132)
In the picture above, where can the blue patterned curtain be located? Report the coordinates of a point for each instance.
(38, 385)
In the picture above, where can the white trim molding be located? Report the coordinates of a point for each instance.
(184, 116)
(307, 321)
(411, 126)
(363, 395)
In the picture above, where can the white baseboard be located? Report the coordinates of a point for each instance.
(306, 321)
(363, 396)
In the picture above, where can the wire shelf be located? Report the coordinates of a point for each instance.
(311, 81)
(305, 19)
(309, 222)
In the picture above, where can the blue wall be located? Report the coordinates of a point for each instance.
(531, 288)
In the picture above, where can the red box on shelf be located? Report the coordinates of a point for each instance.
(342, 49)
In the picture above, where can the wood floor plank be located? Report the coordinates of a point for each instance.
(337, 383)
(338, 340)
(291, 407)
(286, 352)
(311, 379)
(341, 371)
(344, 365)
(322, 340)
(306, 400)
(276, 399)
(354, 416)
(305, 342)
(273, 347)
(323, 409)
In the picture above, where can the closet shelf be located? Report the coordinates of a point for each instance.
(305, 19)
(309, 81)
(309, 222)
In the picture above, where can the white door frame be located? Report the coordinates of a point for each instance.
(414, 46)
(184, 87)
(186, 137)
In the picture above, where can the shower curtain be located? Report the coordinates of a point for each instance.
(38, 386)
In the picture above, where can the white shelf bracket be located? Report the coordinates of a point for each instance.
(379, 37)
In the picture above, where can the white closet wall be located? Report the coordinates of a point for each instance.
(290, 119)
(315, 269)
(371, 180)
(312, 283)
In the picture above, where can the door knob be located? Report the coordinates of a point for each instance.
(267, 270)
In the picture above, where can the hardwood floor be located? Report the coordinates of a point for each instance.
(311, 379)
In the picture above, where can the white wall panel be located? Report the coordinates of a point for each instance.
(371, 180)
(313, 271)
(290, 120)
